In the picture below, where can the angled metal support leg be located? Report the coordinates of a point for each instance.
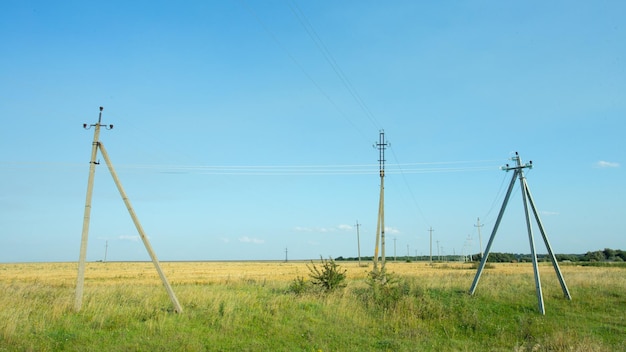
(531, 240)
(483, 260)
(555, 264)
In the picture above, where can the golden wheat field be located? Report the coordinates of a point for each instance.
(181, 273)
(235, 306)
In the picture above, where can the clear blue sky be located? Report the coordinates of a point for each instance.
(246, 127)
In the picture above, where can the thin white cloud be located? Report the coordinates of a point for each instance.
(606, 164)
(549, 213)
(391, 230)
(246, 239)
(341, 227)
(129, 238)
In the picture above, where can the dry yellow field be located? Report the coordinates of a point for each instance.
(180, 273)
(244, 305)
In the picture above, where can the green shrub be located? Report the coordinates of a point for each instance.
(329, 277)
(298, 286)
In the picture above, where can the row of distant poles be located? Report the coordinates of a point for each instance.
(381, 145)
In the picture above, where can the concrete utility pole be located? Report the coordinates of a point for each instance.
(395, 257)
(80, 282)
(527, 200)
(97, 145)
(358, 241)
(431, 243)
(480, 240)
(106, 248)
(381, 145)
(285, 254)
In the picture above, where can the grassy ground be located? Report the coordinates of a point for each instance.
(248, 306)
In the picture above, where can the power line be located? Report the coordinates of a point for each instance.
(297, 63)
(406, 182)
(261, 170)
(308, 27)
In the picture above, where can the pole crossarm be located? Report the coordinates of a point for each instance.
(529, 205)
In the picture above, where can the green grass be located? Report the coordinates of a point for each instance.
(413, 313)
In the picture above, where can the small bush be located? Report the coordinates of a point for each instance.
(329, 277)
(298, 286)
(385, 290)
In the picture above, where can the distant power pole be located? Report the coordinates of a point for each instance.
(286, 255)
(480, 241)
(431, 243)
(358, 241)
(106, 248)
(395, 258)
(381, 145)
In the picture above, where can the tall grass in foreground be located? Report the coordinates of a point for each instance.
(424, 308)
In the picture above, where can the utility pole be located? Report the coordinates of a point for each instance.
(82, 258)
(358, 241)
(480, 241)
(98, 145)
(106, 248)
(395, 258)
(527, 199)
(381, 145)
(431, 243)
(286, 255)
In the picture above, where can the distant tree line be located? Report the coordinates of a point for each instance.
(606, 255)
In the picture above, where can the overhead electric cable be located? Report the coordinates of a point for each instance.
(252, 170)
(297, 63)
(500, 196)
(308, 27)
(419, 209)
(412, 168)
